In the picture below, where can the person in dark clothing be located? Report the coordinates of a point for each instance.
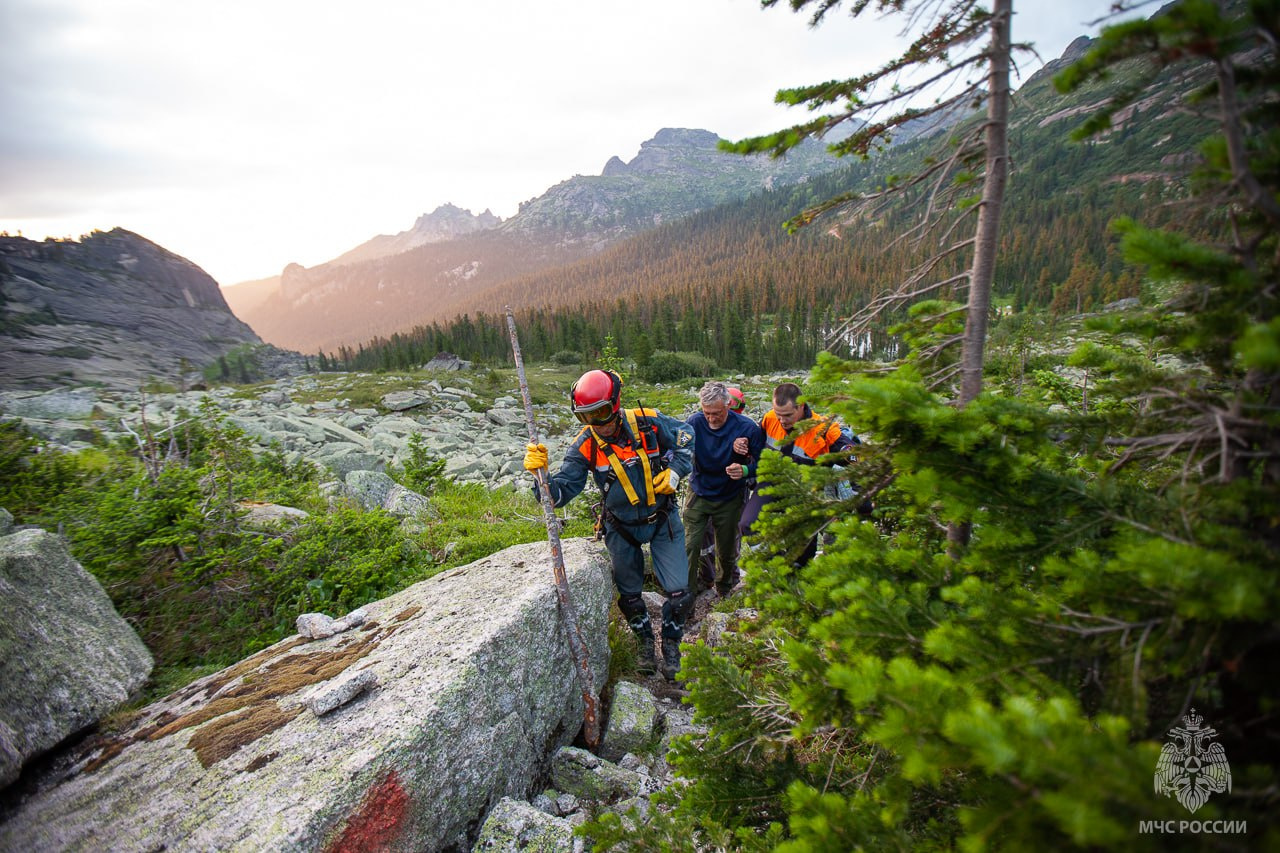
(637, 457)
(728, 452)
(707, 563)
(804, 448)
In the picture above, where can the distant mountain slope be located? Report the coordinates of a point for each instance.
(246, 296)
(113, 308)
(446, 222)
(730, 283)
(676, 173)
(1061, 196)
(332, 305)
(626, 234)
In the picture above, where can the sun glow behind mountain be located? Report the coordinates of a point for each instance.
(246, 136)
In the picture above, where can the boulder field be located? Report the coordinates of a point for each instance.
(483, 447)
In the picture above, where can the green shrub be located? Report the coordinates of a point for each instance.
(477, 521)
(162, 529)
(238, 365)
(27, 476)
(338, 560)
(567, 358)
(667, 366)
(609, 358)
(421, 472)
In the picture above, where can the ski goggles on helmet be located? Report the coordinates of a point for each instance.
(596, 414)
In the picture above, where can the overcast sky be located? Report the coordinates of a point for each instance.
(248, 134)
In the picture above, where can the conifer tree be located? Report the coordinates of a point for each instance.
(964, 49)
(1120, 580)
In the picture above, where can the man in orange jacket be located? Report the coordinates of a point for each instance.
(823, 437)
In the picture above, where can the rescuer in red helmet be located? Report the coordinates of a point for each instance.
(737, 400)
(638, 458)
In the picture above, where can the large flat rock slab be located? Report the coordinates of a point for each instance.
(452, 695)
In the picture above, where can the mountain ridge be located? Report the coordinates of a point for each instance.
(112, 308)
(444, 223)
(677, 172)
(731, 284)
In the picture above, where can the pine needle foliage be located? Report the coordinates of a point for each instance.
(1121, 570)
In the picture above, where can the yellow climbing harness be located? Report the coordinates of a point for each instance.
(616, 464)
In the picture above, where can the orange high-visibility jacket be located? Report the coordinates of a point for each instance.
(821, 438)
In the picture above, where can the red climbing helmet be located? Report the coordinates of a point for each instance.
(595, 397)
(737, 401)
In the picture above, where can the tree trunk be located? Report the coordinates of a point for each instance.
(986, 239)
(997, 174)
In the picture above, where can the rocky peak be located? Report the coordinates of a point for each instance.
(294, 281)
(671, 150)
(111, 308)
(1078, 48)
(155, 271)
(682, 137)
(446, 222)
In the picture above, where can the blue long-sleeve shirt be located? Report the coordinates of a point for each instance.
(714, 452)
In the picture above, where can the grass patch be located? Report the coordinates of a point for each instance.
(623, 653)
(477, 521)
(167, 679)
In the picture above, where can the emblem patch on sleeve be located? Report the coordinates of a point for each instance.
(683, 439)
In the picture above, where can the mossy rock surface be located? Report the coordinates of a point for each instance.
(591, 778)
(633, 722)
(67, 658)
(517, 826)
(475, 689)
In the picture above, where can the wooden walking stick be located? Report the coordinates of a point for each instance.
(578, 648)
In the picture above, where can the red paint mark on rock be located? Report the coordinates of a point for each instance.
(379, 820)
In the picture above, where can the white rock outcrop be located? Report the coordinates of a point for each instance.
(472, 689)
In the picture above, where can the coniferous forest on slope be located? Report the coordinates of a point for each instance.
(733, 284)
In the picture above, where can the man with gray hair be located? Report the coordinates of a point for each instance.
(726, 453)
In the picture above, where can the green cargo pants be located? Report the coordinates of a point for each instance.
(723, 517)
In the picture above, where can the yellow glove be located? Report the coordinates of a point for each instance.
(666, 481)
(535, 456)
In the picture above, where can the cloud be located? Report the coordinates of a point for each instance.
(249, 134)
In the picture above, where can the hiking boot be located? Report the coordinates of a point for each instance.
(646, 659)
(670, 658)
(726, 588)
